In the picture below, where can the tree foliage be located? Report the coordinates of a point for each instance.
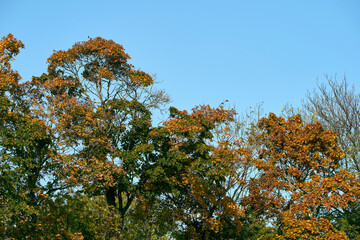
(80, 158)
(193, 171)
(28, 156)
(337, 106)
(299, 178)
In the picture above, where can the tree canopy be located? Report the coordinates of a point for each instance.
(81, 158)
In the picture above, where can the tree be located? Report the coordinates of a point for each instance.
(299, 179)
(27, 153)
(101, 107)
(337, 107)
(87, 121)
(192, 173)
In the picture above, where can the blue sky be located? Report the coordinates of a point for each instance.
(203, 52)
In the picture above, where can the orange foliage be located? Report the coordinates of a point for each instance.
(299, 178)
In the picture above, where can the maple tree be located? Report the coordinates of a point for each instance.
(299, 178)
(337, 106)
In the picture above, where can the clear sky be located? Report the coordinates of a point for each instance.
(203, 52)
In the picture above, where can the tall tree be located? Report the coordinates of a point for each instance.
(337, 106)
(299, 179)
(101, 107)
(191, 174)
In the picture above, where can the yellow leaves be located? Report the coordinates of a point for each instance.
(298, 168)
(202, 119)
(293, 171)
(213, 115)
(140, 78)
(9, 47)
(105, 73)
(311, 228)
(97, 47)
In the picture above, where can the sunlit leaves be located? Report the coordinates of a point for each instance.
(299, 178)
